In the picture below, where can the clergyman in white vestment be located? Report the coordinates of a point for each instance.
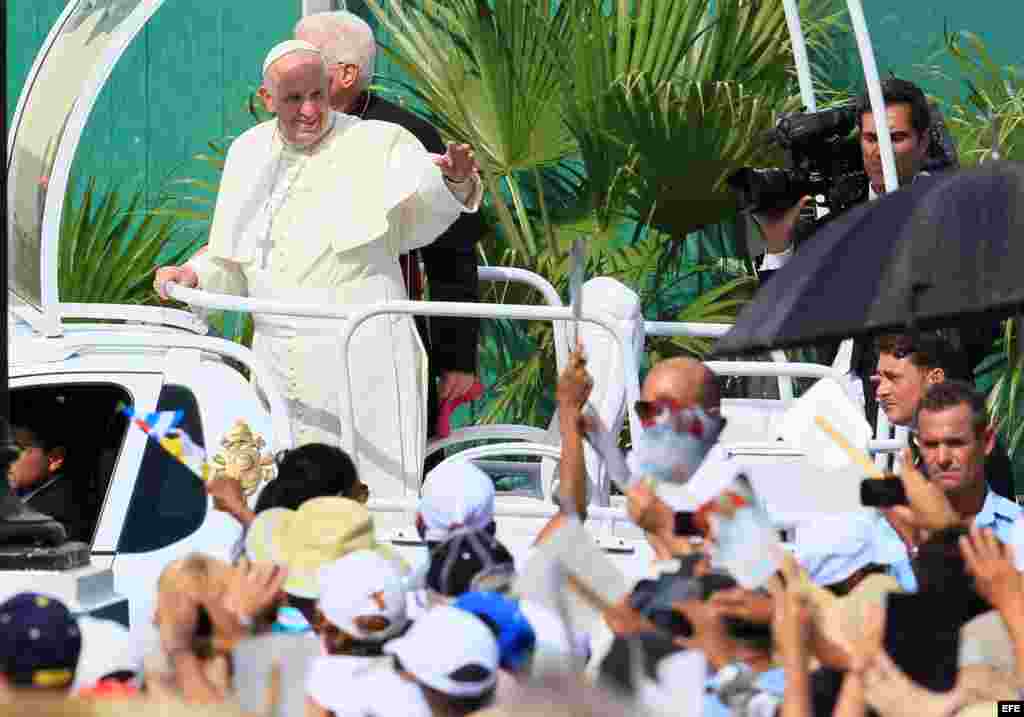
(323, 221)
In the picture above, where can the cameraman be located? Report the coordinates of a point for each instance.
(917, 143)
(909, 125)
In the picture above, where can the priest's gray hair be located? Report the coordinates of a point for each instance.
(343, 37)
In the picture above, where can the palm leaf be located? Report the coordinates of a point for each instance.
(109, 249)
(682, 140)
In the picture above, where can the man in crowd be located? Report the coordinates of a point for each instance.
(39, 645)
(680, 384)
(349, 48)
(954, 437)
(909, 120)
(38, 476)
(907, 367)
(911, 130)
(315, 207)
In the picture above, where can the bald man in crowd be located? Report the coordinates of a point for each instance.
(675, 384)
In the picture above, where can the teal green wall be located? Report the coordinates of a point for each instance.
(908, 37)
(186, 78)
(183, 81)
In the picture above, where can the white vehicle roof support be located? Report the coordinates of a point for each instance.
(282, 438)
(125, 33)
(152, 315)
(97, 34)
(867, 59)
(803, 66)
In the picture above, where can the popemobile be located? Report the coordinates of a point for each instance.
(116, 371)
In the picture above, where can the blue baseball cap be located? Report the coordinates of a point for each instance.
(516, 637)
(39, 641)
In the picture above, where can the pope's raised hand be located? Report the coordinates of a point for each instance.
(458, 163)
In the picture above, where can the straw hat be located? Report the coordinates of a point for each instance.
(318, 533)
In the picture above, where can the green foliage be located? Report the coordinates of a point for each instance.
(602, 120)
(988, 118)
(109, 247)
(990, 113)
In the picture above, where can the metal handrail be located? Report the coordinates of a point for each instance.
(614, 326)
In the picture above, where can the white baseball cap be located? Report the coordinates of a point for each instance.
(442, 644)
(831, 548)
(456, 495)
(356, 686)
(363, 584)
(107, 647)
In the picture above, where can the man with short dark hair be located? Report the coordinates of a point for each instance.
(39, 644)
(909, 120)
(906, 109)
(954, 438)
(39, 479)
(907, 366)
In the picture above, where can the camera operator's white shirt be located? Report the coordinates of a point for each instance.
(771, 262)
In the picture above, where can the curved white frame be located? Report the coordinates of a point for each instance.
(803, 65)
(54, 208)
(483, 311)
(867, 59)
(33, 72)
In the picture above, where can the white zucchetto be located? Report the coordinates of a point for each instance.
(286, 48)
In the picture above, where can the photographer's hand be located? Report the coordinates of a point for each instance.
(778, 226)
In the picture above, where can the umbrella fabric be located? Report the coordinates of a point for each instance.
(943, 249)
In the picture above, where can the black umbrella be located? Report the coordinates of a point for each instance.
(948, 249)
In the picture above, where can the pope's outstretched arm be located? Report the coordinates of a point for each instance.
(449, 186)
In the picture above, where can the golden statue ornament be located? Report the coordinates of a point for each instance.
(241, 458)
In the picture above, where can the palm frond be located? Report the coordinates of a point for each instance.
(109, 247)
(682, 140)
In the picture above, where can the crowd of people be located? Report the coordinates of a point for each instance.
(914, 608)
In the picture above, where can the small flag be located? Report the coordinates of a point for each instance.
(156, 424)
(180, 445)
(162, 427)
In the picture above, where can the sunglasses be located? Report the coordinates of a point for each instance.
(649, 411)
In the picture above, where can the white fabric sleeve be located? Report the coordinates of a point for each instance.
(776, 261)
(433, 208)
(219, 276)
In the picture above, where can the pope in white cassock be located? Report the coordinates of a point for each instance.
(315, 207)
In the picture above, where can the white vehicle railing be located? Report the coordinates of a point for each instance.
(354, 316)
(482, 311)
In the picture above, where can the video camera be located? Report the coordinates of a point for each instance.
(824, 157)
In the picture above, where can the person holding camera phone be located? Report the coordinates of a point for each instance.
(954, 437)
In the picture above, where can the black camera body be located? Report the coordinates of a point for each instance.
(824, 159)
